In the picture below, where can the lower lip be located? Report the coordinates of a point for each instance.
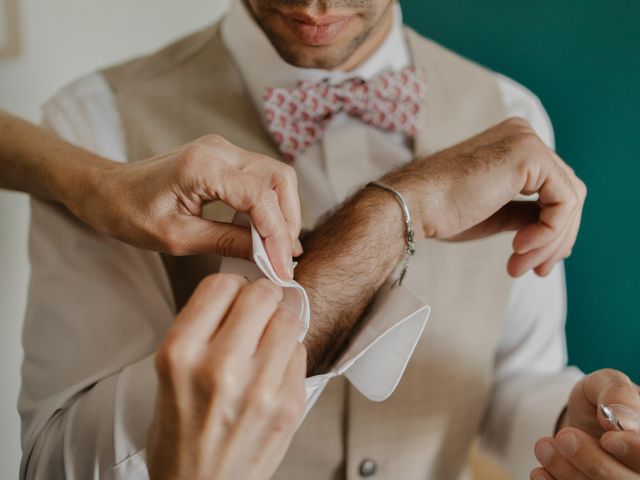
(317, 35)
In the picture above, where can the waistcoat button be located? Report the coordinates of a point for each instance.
(368, 468)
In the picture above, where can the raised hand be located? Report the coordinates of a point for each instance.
(467, 192)
(157, 203)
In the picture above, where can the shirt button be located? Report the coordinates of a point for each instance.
(368, 468)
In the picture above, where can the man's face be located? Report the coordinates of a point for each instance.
(320, 33)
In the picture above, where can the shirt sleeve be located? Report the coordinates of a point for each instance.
(532, 381)
(96, 311)
(518, 101)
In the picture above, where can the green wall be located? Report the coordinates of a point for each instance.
(582, 58)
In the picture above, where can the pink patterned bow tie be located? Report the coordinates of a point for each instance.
(391, 101)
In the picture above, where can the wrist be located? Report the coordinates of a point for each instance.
(83, 183)
(414, 191)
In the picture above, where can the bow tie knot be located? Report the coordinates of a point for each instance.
(391, 101)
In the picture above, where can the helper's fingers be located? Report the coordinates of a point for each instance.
(205, 310)
(282, 179)
(245, 323)
(276, 346)
(197, 235)
(284, 422)
(278, 176)
(586, 454)
(248, 195)
(198, 321)
(625, 446)
(285, 183)
(555, 465)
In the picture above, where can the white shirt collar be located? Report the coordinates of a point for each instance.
(262, 67)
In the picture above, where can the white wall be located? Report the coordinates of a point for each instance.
(61, 40)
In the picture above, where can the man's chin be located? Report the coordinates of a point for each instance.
(325, 57)
(312, 58)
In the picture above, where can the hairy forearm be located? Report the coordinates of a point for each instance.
(36, 162)
(347, 259)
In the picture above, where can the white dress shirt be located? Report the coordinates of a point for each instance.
(109, 304)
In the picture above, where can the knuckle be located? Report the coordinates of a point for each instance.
(172, 240)
(215, 140)
(574, 201)
(527, 139)
(191, 157)
(172, 357)
(269, 197)
(216, 379)
(221, 281)
(289, 413)
(263, 400)
(615, 376)
(597, 468)
(226, 244)
(289, 172)
(287, 319)
(582, 190)
(517, 123)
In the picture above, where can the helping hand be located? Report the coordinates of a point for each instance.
(588, 446)
(157, 203)
(231, 384)
(466, 192)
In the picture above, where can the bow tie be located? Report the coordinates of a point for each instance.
(391, 101)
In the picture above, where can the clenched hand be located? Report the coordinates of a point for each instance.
(231, 384)
(157, 203)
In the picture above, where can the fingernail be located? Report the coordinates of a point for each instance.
(567, 444)
(298, 248)
(290, 267)
(615, 446)
(544, 452)
(626, 417)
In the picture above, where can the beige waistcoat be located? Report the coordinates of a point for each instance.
(424, 430)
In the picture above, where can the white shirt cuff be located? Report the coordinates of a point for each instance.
(379, 353)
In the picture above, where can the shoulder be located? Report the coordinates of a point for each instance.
(84, 113)
(453, 68)
(164, 61)
(519, 101)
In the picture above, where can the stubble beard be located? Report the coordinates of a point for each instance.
(315, 57)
